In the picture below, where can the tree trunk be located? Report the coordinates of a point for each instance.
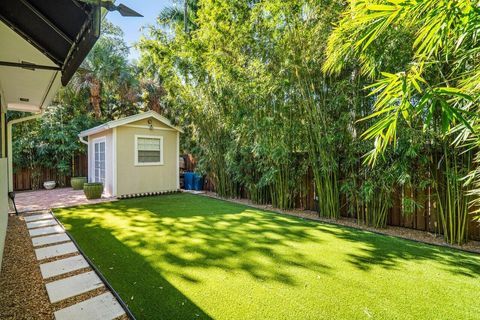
(95, 98)
(154, 105)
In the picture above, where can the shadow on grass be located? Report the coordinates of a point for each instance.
(143, 288)
(215, 235)
(159, 240)
(141, 242)
(387, 252)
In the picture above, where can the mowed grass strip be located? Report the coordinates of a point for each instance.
(190, 257)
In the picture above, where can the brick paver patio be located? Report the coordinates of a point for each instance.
(56, 198)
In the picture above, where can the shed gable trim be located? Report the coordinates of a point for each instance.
(127, 120)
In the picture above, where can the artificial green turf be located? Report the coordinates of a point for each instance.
(189, 257)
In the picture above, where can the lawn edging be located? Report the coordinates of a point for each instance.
(474, 246)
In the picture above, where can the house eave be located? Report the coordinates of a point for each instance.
(44, 43)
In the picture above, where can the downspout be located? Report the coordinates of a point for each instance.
(9, 145)
(82, 140)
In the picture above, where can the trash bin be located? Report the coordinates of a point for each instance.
(188, 180)
(198, 182)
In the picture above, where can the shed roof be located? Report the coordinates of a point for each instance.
(127, 120)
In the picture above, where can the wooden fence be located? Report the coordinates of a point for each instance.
(22, 177)
(423, 217)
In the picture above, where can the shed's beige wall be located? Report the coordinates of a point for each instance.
(137, 179)
(109, 163)
(3, 204)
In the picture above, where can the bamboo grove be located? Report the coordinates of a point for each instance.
(270, 91)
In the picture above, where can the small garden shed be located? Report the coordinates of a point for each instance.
(136, 154)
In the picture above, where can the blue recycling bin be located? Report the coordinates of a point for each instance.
(188, 180)
(198, 182)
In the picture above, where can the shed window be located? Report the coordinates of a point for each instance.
(149, 150)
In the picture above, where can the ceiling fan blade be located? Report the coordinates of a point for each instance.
(127, 12)
(110, 6)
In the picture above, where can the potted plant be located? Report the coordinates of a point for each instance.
(93, 190)
(77, 182)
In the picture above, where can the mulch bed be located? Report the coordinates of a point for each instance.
(22, 290)
(405, 233)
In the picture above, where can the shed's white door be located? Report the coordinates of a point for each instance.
(99, 161)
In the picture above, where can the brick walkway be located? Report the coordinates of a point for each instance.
(56, 198)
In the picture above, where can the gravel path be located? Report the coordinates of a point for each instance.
(406, 233)
(22, 292)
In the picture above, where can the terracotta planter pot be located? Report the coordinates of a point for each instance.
(93, 190)
(77, 182)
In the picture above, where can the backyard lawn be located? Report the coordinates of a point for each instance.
(183, 256)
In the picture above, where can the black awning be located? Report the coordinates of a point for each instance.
(64, 30)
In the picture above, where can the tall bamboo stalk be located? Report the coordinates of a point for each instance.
(452, 196)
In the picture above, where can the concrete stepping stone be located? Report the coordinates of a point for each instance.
(66, 265)
(37, 217)
(73, 286)
(53, 238)
(55, 251)
(41, 223)
(102, 307)
(45, 231)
